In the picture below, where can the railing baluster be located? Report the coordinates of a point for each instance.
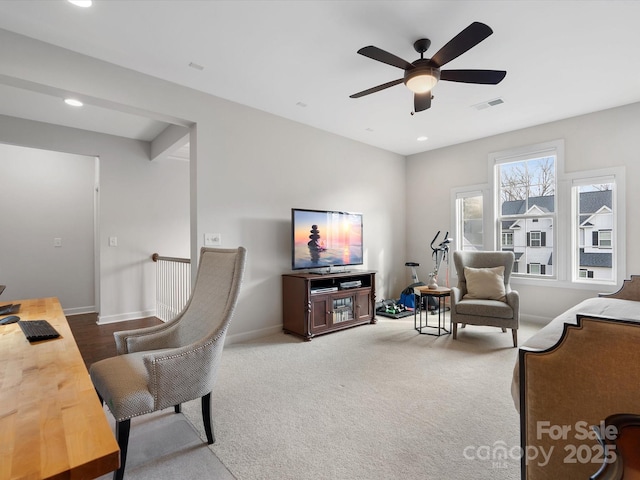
(173, 285)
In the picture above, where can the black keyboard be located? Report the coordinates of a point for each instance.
(36, 330)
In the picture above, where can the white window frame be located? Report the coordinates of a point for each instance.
(530, 152)
(605, 175)
(461, 193)
(565, 233)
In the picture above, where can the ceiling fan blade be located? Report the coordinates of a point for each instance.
(377, 89)
(488, 77)
(380, 55)
(421, 101)
(465, 40)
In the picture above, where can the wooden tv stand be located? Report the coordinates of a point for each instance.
(317, 304)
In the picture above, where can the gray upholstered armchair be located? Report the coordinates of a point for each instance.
(483, 295)
(165, 365)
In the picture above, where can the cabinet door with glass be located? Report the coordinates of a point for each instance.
(343, 308)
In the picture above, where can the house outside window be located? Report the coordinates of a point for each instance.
(566, 227)
(526, 206)
(594, 230)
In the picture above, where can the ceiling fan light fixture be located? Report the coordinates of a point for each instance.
(421, 80)
(423, 74)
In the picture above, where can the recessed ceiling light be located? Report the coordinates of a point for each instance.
(81, 3)
(73, 102)
(422, 138)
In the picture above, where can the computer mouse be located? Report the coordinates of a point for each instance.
(9, 319)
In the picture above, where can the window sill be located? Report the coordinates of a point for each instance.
(555, 283)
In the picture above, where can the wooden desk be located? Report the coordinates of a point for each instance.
(51, 422)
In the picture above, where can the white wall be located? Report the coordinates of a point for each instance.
(248, 170)
(247, 189)
(145, 204)
(603, 139)
(46, 196)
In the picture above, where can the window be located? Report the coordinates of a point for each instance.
(566, 227)
(525, 197)
(535, 269)
(534, 239)
(584, 273)
(507, 240)
(595, 229)
(469, 220)
(604, 238)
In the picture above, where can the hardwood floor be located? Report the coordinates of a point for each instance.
(96, 342)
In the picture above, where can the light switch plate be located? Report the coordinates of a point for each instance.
(212, 240)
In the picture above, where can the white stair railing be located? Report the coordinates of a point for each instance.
(173, 285)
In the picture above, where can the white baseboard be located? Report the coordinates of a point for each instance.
(252, 335)
(235, 338)
(123, 317)
(535, 319)
(79, 310)
(230, 339)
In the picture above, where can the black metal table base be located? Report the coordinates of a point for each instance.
(442, 320)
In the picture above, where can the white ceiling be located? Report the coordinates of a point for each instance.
(297, 59)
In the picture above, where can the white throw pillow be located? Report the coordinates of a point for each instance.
(485, 283)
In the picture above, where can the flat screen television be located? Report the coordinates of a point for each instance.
(325, 239)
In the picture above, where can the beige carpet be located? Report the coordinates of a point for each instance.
(165, 446)
(372, 402)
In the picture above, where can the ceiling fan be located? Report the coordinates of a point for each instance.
(422, 75)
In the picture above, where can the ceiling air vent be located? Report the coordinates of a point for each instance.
(490, 103)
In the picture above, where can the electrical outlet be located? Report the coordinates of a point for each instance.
(212, 239)
(57, 242)
(113, 241)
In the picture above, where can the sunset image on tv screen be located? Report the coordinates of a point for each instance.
(323, 239)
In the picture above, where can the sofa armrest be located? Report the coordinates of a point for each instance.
(456, 295)
(513, 300)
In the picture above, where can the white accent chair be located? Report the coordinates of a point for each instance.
(166, 365)
(503, 313)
